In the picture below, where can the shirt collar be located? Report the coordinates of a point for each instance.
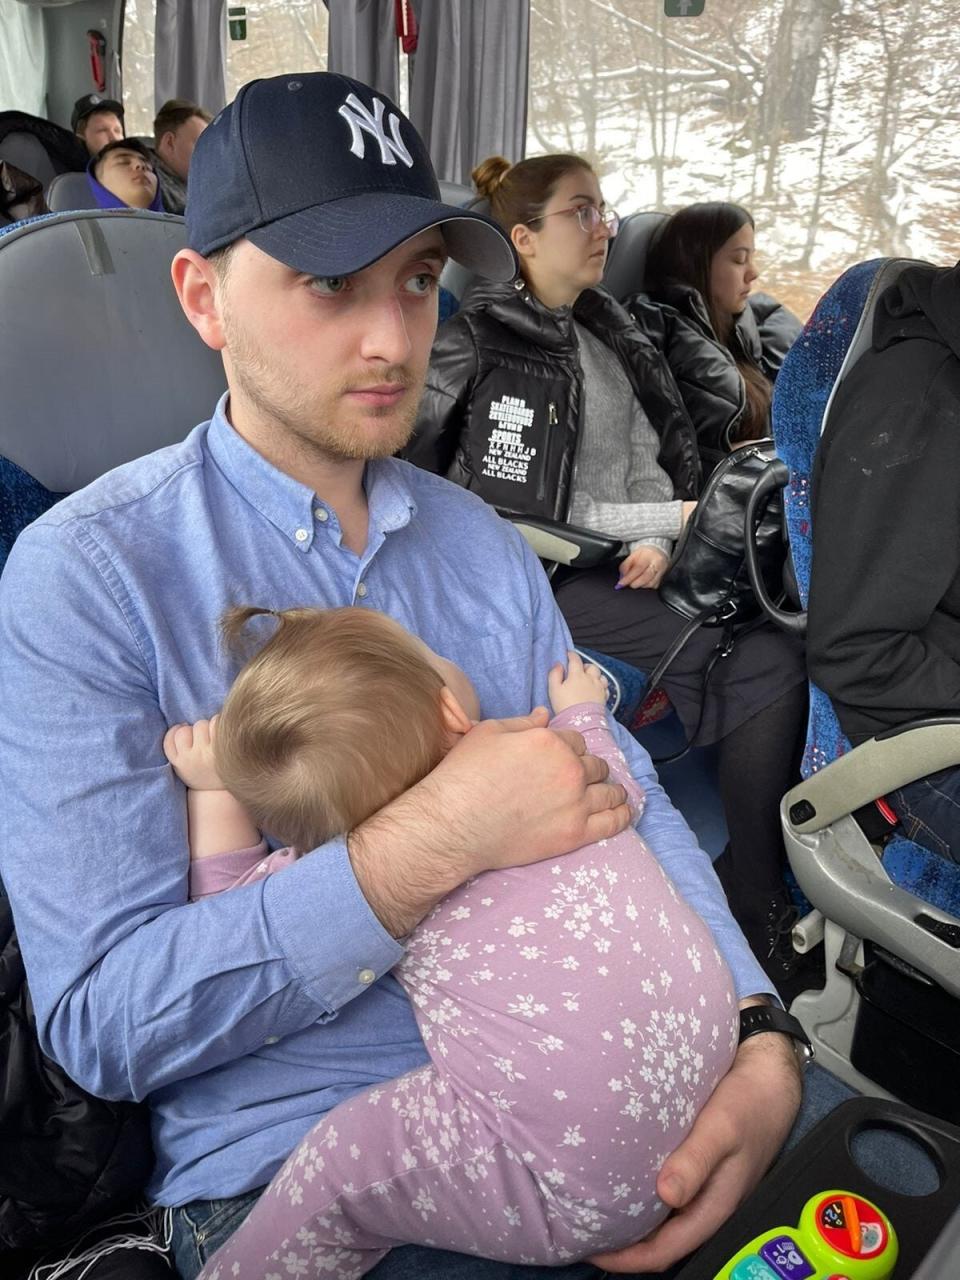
(290, 505)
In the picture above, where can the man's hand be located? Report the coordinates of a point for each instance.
(510, 792)
(189, 748)
(643, 568)
(732, 1143)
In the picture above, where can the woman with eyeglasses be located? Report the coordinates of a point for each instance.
(545, 398)
(724, 343)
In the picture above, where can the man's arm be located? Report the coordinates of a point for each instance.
(747, 1118)
(134, 988)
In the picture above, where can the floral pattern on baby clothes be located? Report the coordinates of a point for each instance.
(578, 1015)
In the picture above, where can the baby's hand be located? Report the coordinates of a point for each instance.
(189, 748)
(580, 684)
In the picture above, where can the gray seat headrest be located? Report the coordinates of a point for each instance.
(29, 155)
(70, 191)
(625, 273)
(456, 193)
(98, 363)
(454, 277)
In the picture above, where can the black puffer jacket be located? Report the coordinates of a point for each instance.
(502, 410)
(704, 368)
(67, 1160)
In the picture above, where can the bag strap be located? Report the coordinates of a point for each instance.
(721, 650)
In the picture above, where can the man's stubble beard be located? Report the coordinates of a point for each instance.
(311, 428)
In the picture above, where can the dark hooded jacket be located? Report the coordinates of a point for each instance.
(503, 406)
(883, 636)
(705, 369)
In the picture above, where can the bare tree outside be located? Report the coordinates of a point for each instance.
(834, 121)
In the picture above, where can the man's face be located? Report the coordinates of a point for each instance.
(128, 176)
(332, 368)
(176, 146)
(99, 128)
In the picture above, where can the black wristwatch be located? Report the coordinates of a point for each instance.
(770, 1017)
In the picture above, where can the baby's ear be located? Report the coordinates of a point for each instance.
(455, 719)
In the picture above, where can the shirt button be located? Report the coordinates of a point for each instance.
(301, 535)
(272, 1040)
(362, 590)
(321, 515)
(366, 976)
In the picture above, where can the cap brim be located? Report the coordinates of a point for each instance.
(344, 236)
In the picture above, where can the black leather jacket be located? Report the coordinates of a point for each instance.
(68, 1159)
(705, 370)
(503, 405)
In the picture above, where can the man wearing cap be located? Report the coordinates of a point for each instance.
(97, 121)
(317, 236)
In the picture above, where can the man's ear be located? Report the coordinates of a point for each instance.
(195, 281)
(455, 719)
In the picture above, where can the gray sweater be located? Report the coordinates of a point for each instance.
(619, 488)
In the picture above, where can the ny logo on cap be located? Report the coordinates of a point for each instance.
(360, 121)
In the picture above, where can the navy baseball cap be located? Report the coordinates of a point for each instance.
(326, 175)
(90, 103)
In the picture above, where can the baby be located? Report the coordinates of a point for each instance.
(576, 1011)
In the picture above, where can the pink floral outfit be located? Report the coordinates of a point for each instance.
(577, 1015)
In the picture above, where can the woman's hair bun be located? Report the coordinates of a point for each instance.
(489, 174)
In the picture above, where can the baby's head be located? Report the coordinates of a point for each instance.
(340, 712)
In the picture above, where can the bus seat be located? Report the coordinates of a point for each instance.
(70, 191)
(625, 272)
(93, 320)
(29, 154)
(39, 147)
(457, 194)
(898, 904)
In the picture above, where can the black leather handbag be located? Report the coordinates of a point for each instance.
(706, 581)
(707, 578)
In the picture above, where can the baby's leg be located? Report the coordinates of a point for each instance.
(403, 1163)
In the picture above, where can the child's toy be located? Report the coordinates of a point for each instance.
(841, 1236)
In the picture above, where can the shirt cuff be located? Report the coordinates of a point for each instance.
(329, 934)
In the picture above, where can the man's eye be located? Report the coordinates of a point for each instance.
(422, 284)
(328, 285)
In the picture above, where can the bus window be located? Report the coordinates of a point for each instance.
(23, 57)
(282, 35)
(834, 124)
(139, 18)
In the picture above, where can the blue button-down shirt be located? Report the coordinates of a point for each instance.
(244, 1017)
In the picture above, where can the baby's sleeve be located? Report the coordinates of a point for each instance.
(232, 870)
(591, 720)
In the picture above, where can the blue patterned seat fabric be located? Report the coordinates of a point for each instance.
(800, 399)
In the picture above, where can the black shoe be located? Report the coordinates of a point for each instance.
(767, 919)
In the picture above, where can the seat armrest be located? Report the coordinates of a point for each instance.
(882, 764)
(566, 544)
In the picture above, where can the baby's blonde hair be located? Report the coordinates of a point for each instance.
(337, 715)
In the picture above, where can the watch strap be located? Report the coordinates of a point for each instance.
(760, 1018)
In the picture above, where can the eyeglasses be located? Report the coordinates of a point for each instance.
(589, 217)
